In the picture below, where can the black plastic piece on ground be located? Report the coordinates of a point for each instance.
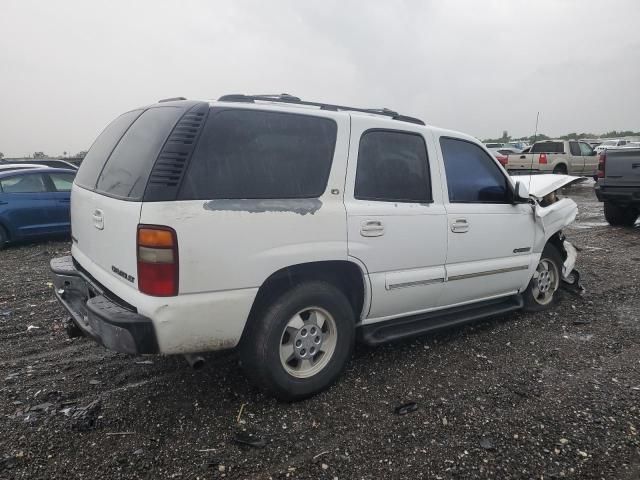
(406, 408)
(249, 439)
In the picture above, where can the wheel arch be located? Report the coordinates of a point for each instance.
(347, 275)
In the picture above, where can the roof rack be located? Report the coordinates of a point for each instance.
(286, 98)
(172, 99)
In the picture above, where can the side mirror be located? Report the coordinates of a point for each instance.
(521, 193)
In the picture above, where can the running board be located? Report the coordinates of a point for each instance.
(397, 328)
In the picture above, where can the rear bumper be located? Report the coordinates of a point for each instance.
(621, 195)
(99, 317)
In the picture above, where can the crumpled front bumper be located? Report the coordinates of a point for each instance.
(95, 312)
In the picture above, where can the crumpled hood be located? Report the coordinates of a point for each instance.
(541, 185)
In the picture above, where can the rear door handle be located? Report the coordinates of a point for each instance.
(4, 203)
(460, 225)
(372, 228)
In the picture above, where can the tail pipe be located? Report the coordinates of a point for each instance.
(196, 362)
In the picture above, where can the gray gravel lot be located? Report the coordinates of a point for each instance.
(549, 395)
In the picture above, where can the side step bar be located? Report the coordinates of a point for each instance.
(397, 328)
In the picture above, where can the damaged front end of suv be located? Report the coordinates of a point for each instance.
(554, 212)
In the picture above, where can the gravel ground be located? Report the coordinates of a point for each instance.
(547, 395)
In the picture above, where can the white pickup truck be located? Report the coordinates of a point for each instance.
(565, 157)
(289, 228)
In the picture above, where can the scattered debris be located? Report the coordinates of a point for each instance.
(249, 439)
(487, 443)
(240, 413)
(145, 362)
(320, 454)
(94, 382)
(120, 433)
(406, 408)
(32, 327)
(86, 418)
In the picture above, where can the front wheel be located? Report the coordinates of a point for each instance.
(300, 343)
(541, 293)
(617, 215)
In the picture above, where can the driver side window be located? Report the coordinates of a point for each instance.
(472, 175)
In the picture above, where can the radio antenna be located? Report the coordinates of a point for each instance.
(535, 137)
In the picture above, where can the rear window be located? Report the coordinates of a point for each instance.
(260, 154)
(127, 170)
(548, 147)
(33, 183)
(93, 162)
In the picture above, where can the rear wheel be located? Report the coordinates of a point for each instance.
(560, 169)
(300, 343)
(542, 289)
(4, 238)
(618, 215)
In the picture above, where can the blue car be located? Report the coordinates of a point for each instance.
(34, 203)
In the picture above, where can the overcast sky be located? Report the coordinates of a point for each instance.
(67, 68)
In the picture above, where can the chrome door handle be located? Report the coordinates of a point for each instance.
(372, 228)
(460, 225)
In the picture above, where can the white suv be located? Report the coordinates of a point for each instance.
(289, 228)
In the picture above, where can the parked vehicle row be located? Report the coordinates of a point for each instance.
(565, 157)
(200, 226)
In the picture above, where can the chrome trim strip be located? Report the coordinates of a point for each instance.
(490, 272)
(395, 286)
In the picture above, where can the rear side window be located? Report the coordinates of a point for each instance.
(472, 175)
(585, 149)
(62, 181)
(259, 154)
(101, 149)
(548, 147)
(127, 170)
(575, 149)
(33, 183)
(392, 167)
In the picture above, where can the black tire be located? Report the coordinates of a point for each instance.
(4, 238)
(260, 347)
(560, 169)
(619, 216)
(532, 301)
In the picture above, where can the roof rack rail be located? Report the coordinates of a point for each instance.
(286, 98)
(172, 99)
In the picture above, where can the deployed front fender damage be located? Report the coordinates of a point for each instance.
(552, 214)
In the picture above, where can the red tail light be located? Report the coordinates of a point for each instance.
(157, 260)
(543, 158)
(602, 160)
(503, 159)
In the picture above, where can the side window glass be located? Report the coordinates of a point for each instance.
(392, 167)
(575, 149)
(472, 175)
(586, 149)
(23, 184)
(62, 181)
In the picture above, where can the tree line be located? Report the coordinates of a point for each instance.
(570, 136)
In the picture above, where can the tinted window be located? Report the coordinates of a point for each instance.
(472, 175)
(33, 183)
(127, 170)
(548, 147)
(62, 181)
(258, 154)
(575, 149)
(586, 149)
(392, 167)
(101, 149)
